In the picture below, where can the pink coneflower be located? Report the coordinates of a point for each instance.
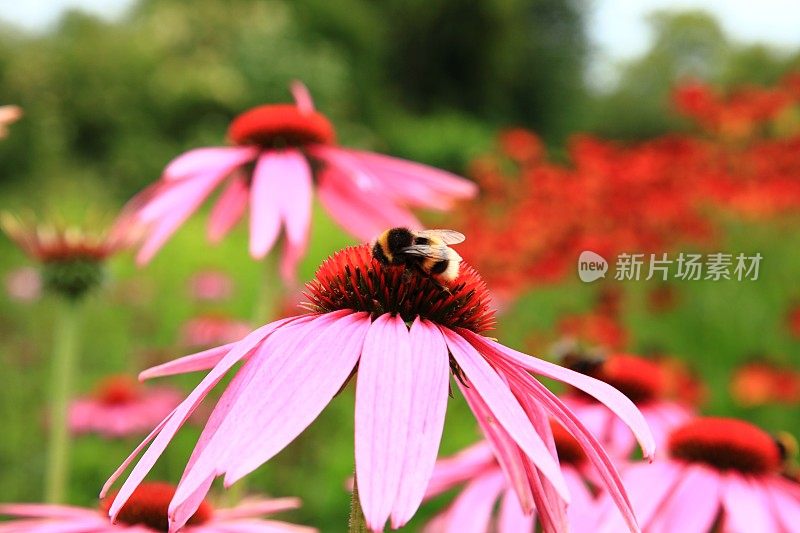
(280, 153)
(722, 475)
(146, 512)
(646, 383)
(24, 284)
(121, 407)
(211, 286)
(402, 333)
(485, 484)
(8, 115)
(211, 330)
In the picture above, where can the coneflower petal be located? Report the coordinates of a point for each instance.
(45, 510)
(430, 378)
(593, 449)
(218, 160)
(694, 504)
(471, 511)
(229, 209)
(604, 393)
(204, 360)
(383, 413)
(646, 503)
(786, 508)
(264, 413)
(280, 408)
(270, 173)
(746, 507)
(168, 224)
(508, 454)
(511, 518)
(362, 213)
(174, 195)
(166, 430)
(257, 507)
(505, 408)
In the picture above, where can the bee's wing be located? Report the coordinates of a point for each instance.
(447, 236)
(439, 252)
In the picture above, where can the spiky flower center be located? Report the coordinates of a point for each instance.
(117, 390)
(725, 444)
(352, 279)
(148, 507)
(569, 451)
(280, 126)
(639, 379)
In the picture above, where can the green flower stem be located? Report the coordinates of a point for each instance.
(65, 356)
(357, 523)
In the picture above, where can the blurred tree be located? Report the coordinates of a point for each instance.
(686, 45)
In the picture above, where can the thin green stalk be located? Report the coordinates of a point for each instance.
(357, 523)
(65, 356)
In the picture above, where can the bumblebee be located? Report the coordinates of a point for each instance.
(426, 251)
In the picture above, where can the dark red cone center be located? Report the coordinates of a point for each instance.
(352, 279)
(117, 390)
(148, 507)
(725, 444)
(280, 126)
(569, 451)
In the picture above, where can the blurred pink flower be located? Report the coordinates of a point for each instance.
(721, 473)
(24, 284)
(485, 484)
(646, 384)
(210, 330)
(146, 512)
(280, 153)
(8, 115)
(210, 285)
(403, 334)
(121, 407)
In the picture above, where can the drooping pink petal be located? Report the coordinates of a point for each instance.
(746, 507)
(645, 495)
(42, 510)
(363, 213)
(550, 508)
(582, 512)
(216, 160)
(511, 518)
(430, 377)
(505, 408)
(294, 376)
(173, 422)
(252, 507)
(509, 456)
(527, 385)
(418, 183)
(603, 392)
(302, 98)
(189, 363)
(164, 227)
(383, 413)
(693, 505)
(265, 203)
(471, 512)
(296, 202)
(455, 470)
(785, 507)
(229, 209)
(171, 196)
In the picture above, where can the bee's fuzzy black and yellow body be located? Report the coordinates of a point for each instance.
(425, 251)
